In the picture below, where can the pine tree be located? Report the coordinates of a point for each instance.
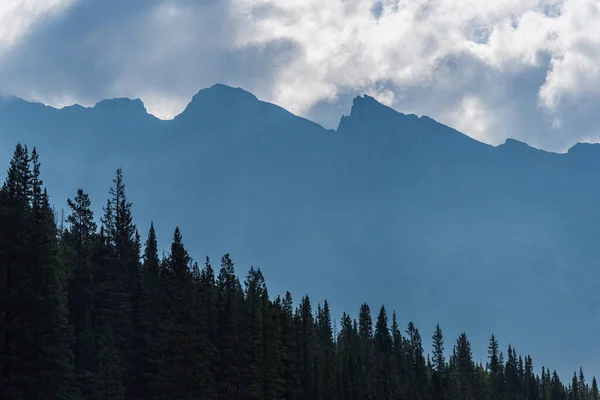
(254, 324)
(439, 366)
(184, 370)
(495, 367)
(230, 309)
(594, 391)
(511, 371)
(417, 382)
(399, 354)
(209, 292)
(383, 357)
(531, 387)
(557, 389)
(152, 311)
(77, 243)
(347, 345)
(289, 346)
(37, 361)
(575, 393)
(546, 390)
(326, 350)
(583, 392)
(365, 337)
(117, 282)
(273, 352)
(307, 347)
(466, 383)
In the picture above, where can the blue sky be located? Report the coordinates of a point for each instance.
(493, 69)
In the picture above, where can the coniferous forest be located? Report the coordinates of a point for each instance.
(90, 311)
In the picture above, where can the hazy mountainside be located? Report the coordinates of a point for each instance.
(390, 208)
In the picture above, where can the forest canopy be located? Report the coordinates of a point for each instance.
(89, 310)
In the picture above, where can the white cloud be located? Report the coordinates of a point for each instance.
(346, 47)
(489, 68)
(471, 115)
(17, 17)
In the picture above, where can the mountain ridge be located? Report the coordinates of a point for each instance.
(391, 209)
(361, 104)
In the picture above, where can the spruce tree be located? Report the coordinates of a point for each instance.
(184, 370)
(466, 382)
(531, 386)
(273, 352)
(583, 392)
(495, 367)
(439, 365)
(117, 281)
(326, 350)
(594, 390)
(230, 305)
(417, 382)
(383, 358)
(400, 356)
(254, 341)
(77, 243)
(36, 358)
(307, 347)
(289, 347)
(365, 337)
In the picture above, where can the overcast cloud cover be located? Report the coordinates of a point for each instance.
(493, 69)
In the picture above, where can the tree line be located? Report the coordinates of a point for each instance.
(88, 311)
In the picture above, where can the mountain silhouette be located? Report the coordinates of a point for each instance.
(391, 208)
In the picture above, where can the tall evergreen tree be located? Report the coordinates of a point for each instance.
(307, 346)
(594, 390)
(438, 391)
(230, 334)
(184, 364)
(78, 242)
(495, 367)
(326, 350)
(365, 337)
(117, 282)
(417, 382)
(383, 387)
(36, 359)
(254, 354)
(273, 369)
(288, 347)
(466, 381)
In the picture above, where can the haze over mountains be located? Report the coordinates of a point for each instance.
(389, 208)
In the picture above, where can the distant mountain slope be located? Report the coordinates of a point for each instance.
(390, 208)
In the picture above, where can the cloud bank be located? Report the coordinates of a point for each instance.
(493, 69)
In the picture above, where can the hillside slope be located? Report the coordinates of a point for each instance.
(389, 208)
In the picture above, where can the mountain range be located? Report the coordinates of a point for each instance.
(390, 208)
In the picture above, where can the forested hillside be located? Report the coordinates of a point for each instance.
(91, 310)
(444, 218)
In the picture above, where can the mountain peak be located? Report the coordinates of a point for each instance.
(221, 107)
(221, 92)
(218, 99)
(367, 112)
(514, 143)
(364, 105)
(585, 151)
(121, 105)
